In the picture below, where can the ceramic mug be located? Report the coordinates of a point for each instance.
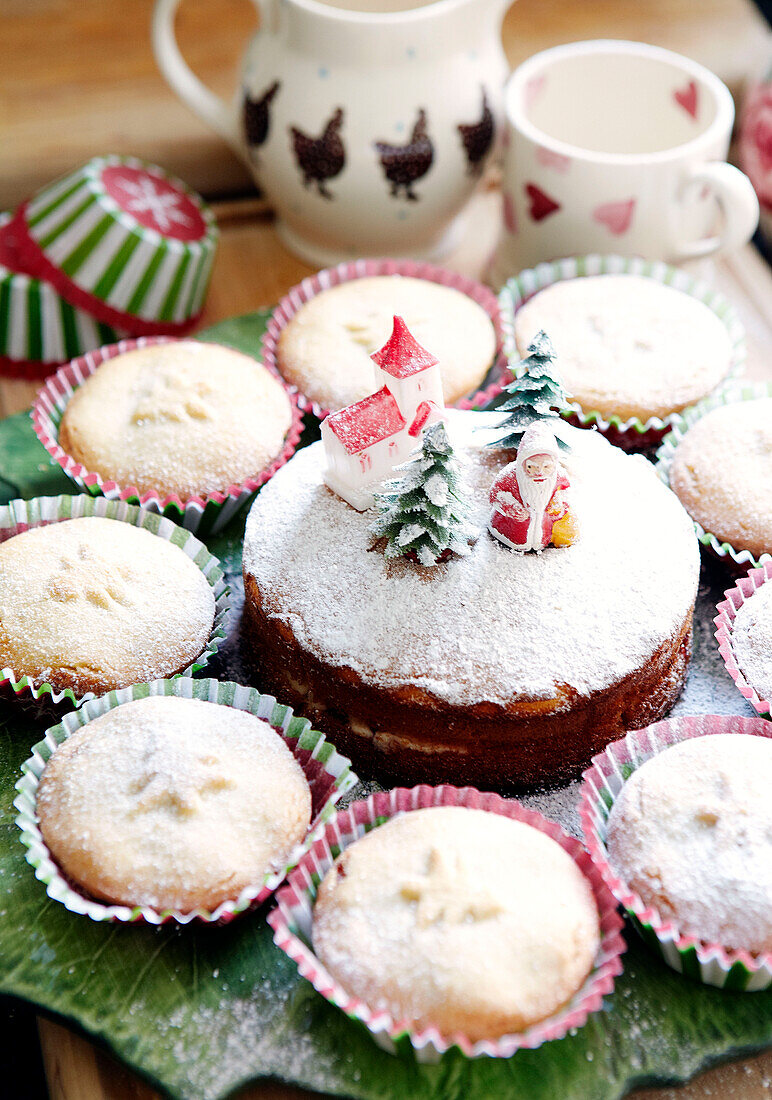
(619, 147)
(366, 123)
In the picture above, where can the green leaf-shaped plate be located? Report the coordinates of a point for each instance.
(200, 1011)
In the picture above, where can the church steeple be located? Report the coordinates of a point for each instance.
(402, 356)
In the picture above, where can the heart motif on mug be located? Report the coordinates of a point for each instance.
(687, 98)
(548, 158)
(541, 204)
(616, 216)
(533, 89)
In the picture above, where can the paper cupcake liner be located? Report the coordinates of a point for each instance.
(735, 558)
(20, 515)
(39, 330)
(493, 383)
(631, 434)
(710, 963)
(123, 240)
(205, 514)
(733, 600)
(328, 773)
(291, 921)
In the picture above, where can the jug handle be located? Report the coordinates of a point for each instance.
(193, 92)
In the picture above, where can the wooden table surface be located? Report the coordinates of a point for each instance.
(78, 79)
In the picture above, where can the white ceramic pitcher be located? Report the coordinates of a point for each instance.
(365, 122)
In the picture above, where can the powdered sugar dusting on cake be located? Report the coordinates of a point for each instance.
(446, 916)
(163, 417)
(495, 626)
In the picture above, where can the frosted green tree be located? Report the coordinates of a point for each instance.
(423, 514)
(536, 394)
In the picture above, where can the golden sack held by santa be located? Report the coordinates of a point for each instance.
(530, 507)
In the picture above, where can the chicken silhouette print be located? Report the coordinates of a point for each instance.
(403, 165)
(256, 116)
(320, 158)
(477, 138)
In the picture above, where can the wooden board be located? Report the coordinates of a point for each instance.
(79, 77)
(78, 1071)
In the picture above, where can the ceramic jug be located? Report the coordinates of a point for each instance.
(366, 123)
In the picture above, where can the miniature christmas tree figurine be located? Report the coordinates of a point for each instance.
(535, 395)
(422, 514)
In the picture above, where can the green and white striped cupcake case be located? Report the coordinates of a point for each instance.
(39, 329)
(737, 558)
(631, 434)
(328, 773)
(126, 241)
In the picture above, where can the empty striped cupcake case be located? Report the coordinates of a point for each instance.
(124, 240)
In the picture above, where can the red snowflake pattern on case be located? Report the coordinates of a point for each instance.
(154, 202)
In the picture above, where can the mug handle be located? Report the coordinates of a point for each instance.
(193, 92)
(737, 200)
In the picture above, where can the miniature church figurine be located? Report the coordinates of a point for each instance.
(530, 509)
(365, 441)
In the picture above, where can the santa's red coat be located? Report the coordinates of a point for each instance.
(512, 519)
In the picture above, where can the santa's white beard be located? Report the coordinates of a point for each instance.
(536, 496)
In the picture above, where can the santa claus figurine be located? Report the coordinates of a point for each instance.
(530, 510)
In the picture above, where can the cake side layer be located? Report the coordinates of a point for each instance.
(406, 735)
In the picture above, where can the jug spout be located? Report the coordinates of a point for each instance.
(484, 17)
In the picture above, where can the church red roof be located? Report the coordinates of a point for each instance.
(402, 356)
(368, 421)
